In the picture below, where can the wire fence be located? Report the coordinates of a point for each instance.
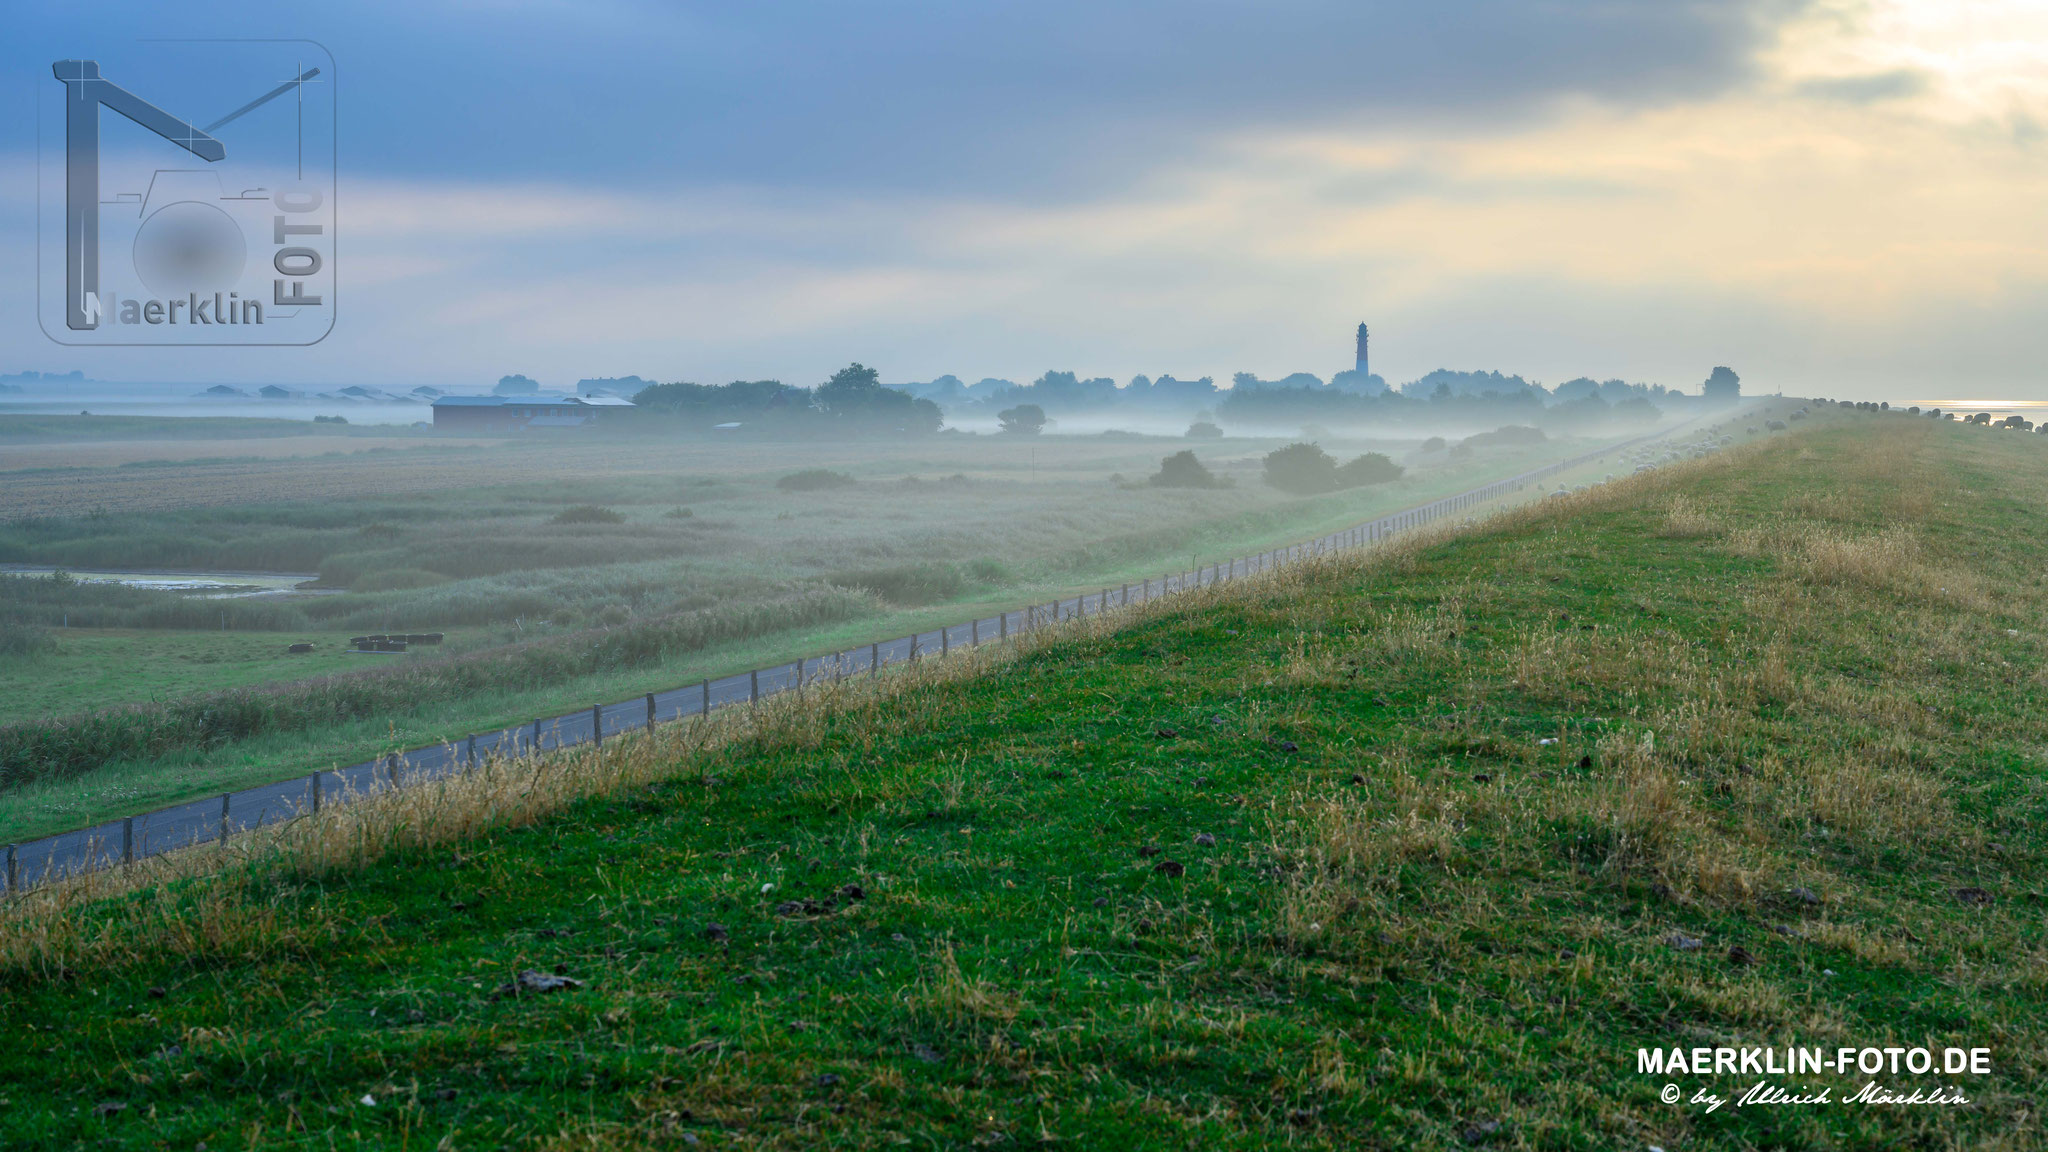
(122, 842)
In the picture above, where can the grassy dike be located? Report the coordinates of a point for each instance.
(1400, 851)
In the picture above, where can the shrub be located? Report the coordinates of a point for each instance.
(1433, 444)
(1304, 469)
(587, 514)
(814, 480)
(60, 598)
(1508, 434)
(678, 514)
(907, 585)
(20, 642)
(396, 580)
(1203, 430)
(330, 419)
(1371, 468)
(1182, 470)
(1023, 420)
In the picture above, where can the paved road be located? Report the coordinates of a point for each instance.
(203, 820)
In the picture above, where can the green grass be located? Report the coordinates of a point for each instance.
(1053, 556)
(30, 428)
(1795, 689)
(116, 666)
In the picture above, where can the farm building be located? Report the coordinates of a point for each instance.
(516, 413)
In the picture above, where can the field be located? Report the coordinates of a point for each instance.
(611, 568)
(1413, 849)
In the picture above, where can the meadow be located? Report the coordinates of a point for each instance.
(1410, 848)
(562, 572)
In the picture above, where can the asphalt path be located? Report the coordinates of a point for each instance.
(215, 819)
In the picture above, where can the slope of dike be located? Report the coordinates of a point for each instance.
(1431, 847)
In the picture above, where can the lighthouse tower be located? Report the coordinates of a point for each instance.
(1364, 368)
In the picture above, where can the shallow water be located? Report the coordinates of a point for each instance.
(205, 585)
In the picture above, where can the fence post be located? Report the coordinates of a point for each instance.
(874, 659)
(945, 641)
(316, 789)
(913, 647)
(650, 712)
(1003, 625)
(707, 696)
(597, 724)
(472, 749)
(1148, 589)
(754, 686)
(225, 799)
(127, 841)
(1126, 602)
(534, 744)
(13, 876)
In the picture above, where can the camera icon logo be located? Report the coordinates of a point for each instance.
(157, 230)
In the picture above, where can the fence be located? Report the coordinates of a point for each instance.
(121, 842)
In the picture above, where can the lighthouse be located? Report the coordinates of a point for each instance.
(1364, 368)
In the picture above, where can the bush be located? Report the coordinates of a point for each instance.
(1023, 420)
(814, 480)
(1303, 469)
(908, 585)
(1509, 434)
(396, 580)
(1203, 430)
(678, 514)
(1433, 444)
(59, 598)
(587, 514)
(20, 642)
(1182, 470)
(1371, 468)
(330, 419)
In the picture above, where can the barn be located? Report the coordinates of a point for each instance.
(519, 413)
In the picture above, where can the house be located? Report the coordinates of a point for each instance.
(516, 413)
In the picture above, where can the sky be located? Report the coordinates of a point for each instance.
(1834, 197)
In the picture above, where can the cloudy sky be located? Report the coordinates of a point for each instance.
(1840, 197)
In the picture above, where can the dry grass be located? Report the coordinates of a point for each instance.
(1527, 756)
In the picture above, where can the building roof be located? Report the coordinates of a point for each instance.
(535, 401)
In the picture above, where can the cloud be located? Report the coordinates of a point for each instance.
(1051, 99)
(1869, 88)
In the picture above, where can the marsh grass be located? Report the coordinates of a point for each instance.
(1433, 816)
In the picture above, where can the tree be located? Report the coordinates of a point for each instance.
(1182, 470)
(855, 394)
(1304, 469)
(517, 386)
(1023, 420)
(849, 389)
(1203, 430)
(1723, 387)
(1371, 468)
